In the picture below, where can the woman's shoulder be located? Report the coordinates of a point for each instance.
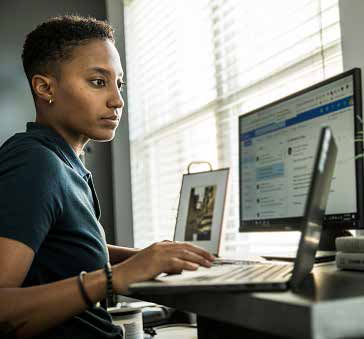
(25, 150)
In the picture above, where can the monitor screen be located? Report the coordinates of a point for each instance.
(277, 147)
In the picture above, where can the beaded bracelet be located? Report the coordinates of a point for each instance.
(109, 290)
(84, 294)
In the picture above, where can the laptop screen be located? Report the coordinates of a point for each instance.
(201, 208)
(316, 203)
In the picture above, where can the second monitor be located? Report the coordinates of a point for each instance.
(276, 153)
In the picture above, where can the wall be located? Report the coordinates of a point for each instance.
(17, 18)
(352, 28)
(120, 149)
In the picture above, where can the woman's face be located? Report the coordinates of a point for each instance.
(87, 100)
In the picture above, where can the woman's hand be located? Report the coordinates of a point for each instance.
(165, 256)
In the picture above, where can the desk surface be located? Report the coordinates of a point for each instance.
(330, 304)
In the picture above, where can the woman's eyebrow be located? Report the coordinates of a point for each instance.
(103, 71)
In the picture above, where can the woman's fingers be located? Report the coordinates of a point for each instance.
(199, 251)
(177, 265)
(190, 256)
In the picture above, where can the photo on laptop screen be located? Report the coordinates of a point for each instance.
(201, 208)
(200, 213)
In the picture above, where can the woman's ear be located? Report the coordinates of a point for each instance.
(43, 87)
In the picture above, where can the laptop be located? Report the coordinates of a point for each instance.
(264, 276)
(200, 212)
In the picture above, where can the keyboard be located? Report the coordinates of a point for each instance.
(220, 261)
(233, 273)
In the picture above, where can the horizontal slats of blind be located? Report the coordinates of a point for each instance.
(157, 168)
(170, 61)
(194, 67)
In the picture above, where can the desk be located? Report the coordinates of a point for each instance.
(330, 304)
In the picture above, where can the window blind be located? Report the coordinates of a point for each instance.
(193, 67)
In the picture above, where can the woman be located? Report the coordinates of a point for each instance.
(50, 235)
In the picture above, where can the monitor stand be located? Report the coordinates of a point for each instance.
(326, 250)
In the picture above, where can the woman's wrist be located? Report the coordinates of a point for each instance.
(94, 284)
(121, 278)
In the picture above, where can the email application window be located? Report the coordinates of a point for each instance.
(278, 147)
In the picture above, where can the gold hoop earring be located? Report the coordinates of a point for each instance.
(50, 101)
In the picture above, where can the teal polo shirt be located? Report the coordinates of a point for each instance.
(48, 202)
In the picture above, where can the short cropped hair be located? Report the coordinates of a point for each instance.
(53, 41)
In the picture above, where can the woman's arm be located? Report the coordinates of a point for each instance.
(118, 254)
(33, 310)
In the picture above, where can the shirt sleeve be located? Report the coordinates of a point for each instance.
(29, 194)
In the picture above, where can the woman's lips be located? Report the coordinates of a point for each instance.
(111, 120)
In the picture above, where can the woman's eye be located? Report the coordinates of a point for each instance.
(98, 82)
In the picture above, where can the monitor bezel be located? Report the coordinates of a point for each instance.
(331, 221)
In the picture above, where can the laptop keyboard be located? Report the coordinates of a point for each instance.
(258, 272)
(218, 262)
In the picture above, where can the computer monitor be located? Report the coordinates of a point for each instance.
(277, 145)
